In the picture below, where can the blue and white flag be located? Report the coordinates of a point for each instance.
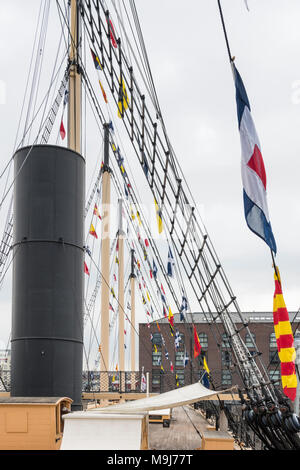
(111, 127)
(154, 270)
(183, 308)
(177, 339)
(253, 169)
(171, 264)
(186, 358)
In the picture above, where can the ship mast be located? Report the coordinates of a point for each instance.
(74, 110)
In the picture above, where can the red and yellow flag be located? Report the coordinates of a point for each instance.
(93, 231)
(197, 345)
(285, 340)
(96, 212)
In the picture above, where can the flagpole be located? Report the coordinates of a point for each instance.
(105, 264)
(74, 108)
(121, 234)
(231, 59)
(132, 302)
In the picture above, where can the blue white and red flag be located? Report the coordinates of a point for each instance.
(253, 169)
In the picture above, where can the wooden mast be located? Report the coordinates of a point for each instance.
(74, 109)
(105, 264)
(121, 235)
(132, 329)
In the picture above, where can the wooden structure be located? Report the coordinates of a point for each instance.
(217, 440)
(161, 416)
(31, 423)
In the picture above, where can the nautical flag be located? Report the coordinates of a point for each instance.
(166, 354)
(205, 380)
(171, 321)
(111, 127)
(62, 130)
(177, 339)
(186, 358)
(163, 295)
(158, 217)
(93, 231)
(111, 307)
(146, 242)
(285, 341)
(103, 92)
(145, 165)
(154, 270)
(197, 345)
(205, 365)
(86, 269)
(172, 367)
(171, 264)
(183, 308)
(112, 34)
(253, 169)
(165, 311)
(96, 60)
(123, 101)
(143, 381)
(96, 212)
(88, 251)
(66, 98)
(138, 217)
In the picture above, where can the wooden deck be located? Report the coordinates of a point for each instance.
(181, 435)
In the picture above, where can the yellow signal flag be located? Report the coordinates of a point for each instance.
(138, 217)
(158, 217)
(123, 100)
(205, 365)
(103, 92)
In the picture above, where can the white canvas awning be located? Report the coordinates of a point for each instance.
(178, 397)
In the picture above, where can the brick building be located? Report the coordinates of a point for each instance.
(158, 354)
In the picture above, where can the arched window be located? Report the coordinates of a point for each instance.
(225, 341)
(203, 340)
(273, 343)
(250, 340)
(156, 339)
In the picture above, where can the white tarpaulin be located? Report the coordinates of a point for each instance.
(86, 430)
(178, 397)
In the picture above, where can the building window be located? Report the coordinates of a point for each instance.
(226, 358)
(156, 378)
(273, 343)
(156, 358)
(250, 340)
(179, 358)
(203, 340)
(156, 339)
(225, 341)
(275, 375)
(226, 377)
(179, 376)
(274, 358)
(181, 342)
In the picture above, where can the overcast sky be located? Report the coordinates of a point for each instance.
(194, 83)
